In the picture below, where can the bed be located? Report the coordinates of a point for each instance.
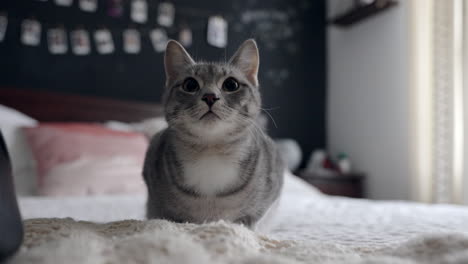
(309, 227)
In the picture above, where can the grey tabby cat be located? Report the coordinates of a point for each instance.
(213, 161)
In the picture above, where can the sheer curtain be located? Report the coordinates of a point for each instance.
(448, 101)
(464, 73)
(437, 34)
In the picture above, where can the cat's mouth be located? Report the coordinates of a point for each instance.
(209, 114)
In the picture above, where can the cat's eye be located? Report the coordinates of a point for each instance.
(190, 85)
(231, 85)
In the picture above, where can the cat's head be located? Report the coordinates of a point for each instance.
(212, 101)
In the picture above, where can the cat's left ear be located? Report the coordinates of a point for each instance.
(176, 59)
(247, 60)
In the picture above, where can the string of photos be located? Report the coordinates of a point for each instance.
(80, 38)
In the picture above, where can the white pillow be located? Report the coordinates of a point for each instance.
(23, 164)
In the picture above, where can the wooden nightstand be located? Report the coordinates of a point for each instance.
(351, 185)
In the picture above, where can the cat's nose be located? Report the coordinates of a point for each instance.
(210, 99)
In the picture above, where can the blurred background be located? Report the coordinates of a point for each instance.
(366, 95)
(290, 35)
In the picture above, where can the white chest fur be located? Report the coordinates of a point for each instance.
(210, 174)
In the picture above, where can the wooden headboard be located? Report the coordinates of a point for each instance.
(58, 107)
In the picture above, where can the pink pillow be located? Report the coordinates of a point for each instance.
(75, 159)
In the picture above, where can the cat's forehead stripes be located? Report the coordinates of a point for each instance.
(210, 70)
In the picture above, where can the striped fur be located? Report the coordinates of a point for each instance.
(201, 170)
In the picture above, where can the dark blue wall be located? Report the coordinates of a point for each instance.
(290, 34)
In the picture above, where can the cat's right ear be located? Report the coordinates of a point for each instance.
(176, 59)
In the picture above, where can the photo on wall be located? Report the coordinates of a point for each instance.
(64, 2)
(217, 32)
(115, 8)
(104, 42)
(139, 11)
(131, 41)
(3, 26)
(57, 40)
(166, 13)
(80, 42)
(88, 5)
(159, 39)
(185, 37)
(31, 32)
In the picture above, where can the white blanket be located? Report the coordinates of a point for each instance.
(310, 227)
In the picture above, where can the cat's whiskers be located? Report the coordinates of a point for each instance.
(177, 116)
(253, 123)
(195, 111)
(252, 133)
(259, 129)
(251, 127)
(271, 117)
(255, 135)
(270, 109)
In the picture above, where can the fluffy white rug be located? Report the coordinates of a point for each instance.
(310, 228)
(157, 241)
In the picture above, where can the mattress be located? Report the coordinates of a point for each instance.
(322, 226)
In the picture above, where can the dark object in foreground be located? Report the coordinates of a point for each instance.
(11, 227)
